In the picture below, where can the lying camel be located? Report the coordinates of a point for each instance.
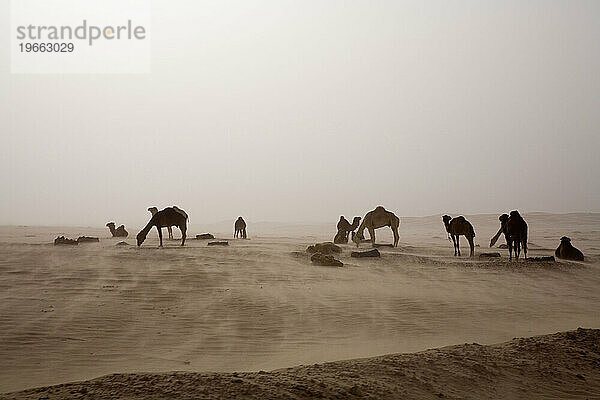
(378, 218)
(459, 226)
(240, 228)
(344, 228)
(567, 251)
(514, 228)
(119, 232)
(154, 210)
(167, 217)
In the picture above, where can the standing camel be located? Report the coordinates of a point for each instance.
(154, 210)
(240, 228)
(378, 218)
(344, 228)
(459, 226)
(119, 232)
(514, 228)
(167, 217)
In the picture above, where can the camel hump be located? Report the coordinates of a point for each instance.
(460, 218)
(180, 211)
(379, 208)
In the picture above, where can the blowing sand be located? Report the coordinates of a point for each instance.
(76, 313)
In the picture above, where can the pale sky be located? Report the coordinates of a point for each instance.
(306, 110)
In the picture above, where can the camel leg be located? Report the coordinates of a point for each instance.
(518, 248)
(396, 236)
(235, 234)
(510, 246)
(183, 229)
(170, 231)
(525, 247)
(458, 244)
(472, 245)
(372, 233)
(454, 244)
(159, 235)
(244, 234)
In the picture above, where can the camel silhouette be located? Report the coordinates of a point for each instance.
(240, 228)
(154, 210)
(344, 228)
(567, 251)
(459, 226)
(514, 228)
(119, 232)
(378, 218)
(163, 218)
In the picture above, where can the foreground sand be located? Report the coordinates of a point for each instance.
(564, 365)
(76, 313)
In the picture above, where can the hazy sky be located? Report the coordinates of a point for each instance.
(306, 110)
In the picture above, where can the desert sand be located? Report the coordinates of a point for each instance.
(75, 313)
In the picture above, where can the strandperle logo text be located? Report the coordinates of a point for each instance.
(85, 31)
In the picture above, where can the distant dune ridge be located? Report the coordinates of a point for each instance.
(563, 365)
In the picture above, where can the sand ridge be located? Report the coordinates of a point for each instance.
(562, 365)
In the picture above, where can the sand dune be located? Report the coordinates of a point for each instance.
(76, 313)
(560, 366)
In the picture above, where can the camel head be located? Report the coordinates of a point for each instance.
(503, 218)
(111, 224)
(446, 219)
(565, 239)
(515, 214)
(356, 221)
(141, 237)
(153, 210)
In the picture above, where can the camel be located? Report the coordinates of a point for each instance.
(503, 218)
(378, 218)
(514, 228)
(167, 217)
(459, 226)
(567, 251)
(344, 228)
(154, 210)
(240, 228)
(119, 232)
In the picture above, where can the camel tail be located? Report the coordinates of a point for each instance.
(472, 230)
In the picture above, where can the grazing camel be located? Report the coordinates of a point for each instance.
(514, 228)
(167, 217)
(567, 251)
(503, 218)
(378, 218)
(344, 228)
(119, 232)
(154, 210)
(240, 228)
(459, 226)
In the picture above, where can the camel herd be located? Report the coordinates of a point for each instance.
(512, 225)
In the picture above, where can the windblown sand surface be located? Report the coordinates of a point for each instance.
(76, 313)
(560, 366)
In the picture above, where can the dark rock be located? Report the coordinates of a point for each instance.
(87, 239)
(122, 244)
(219, 243)
(489, 255)
(503, 246)
(544, 258)
(369, 253)
(63, 240)
(325, 260)
(324, 248)
(205, 236)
